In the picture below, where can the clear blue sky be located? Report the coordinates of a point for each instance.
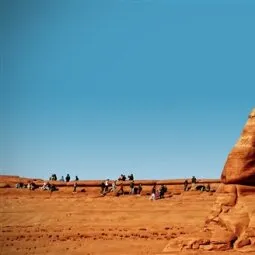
(158, 88)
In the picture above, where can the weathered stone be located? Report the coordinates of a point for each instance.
(231, 223)
(240, 165)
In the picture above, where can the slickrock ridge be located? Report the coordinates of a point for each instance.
(231, 223)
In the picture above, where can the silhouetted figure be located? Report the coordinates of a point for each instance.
(76, 178)
(131, 177)
(53, 177)
(122, 177)
(68, 178)
(194, 179)
(62, 178)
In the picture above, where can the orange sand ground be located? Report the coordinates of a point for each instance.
(38, 222)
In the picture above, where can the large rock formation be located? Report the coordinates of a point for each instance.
(231, 223)
(240, 164)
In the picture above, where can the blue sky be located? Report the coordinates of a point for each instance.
(161, 89)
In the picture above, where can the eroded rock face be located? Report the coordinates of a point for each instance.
(240, 164)
(231, 223)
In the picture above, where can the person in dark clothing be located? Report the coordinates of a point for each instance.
(76, 178)
(194, 179)
(162, 191)
(68, 178)
(154, 189)
(131, 177)
(102, 187)
(132, 185)
(185, 185)
(140, 188)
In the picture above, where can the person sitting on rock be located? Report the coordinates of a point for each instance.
(76, 178)
(52, 188)
(208, 187)
(114, 186)
(200, 187)
(29, 185)
(140, 188)
(33, 186)
(19, 185)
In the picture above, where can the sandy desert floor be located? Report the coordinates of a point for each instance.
(38, 222)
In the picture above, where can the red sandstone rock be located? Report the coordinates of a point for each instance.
(231, 223)
(240, 164)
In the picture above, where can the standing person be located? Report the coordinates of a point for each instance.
(162, 191)
(194, 179)
(185, 185)
(153, 192)
(132, 185)
(74, 187)
(106, 185)
(102, 187)
(193, 183)
(68, 178)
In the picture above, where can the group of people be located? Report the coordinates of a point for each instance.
(106, 188)
(111, 186)
(48, 186)
(158, 193)
(29, 185)
(53, 177)
(123, 177)
(32, 186)
(195, 186)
